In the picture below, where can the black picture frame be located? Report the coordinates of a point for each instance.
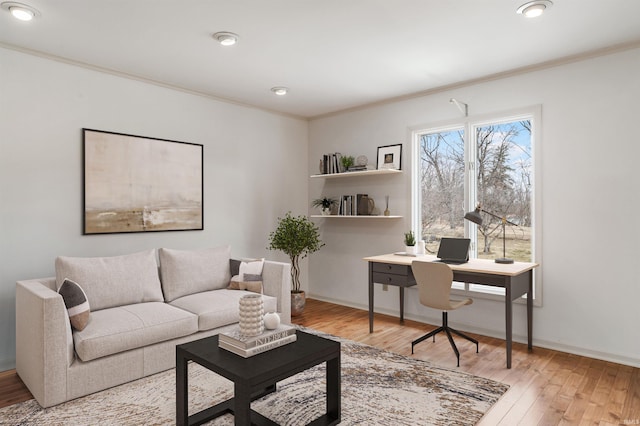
(389, 157)
(140, 184)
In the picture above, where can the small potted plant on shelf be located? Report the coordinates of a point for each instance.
(409, 243)
(297, 237)
(347, 161)
(325, 204)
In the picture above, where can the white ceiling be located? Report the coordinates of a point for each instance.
(332, 54)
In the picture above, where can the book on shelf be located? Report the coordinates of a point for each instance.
(246, 353)
(347, 205)
(235, 338)
(332, 163)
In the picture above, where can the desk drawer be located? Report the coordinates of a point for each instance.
(389, 268)
(393, 279)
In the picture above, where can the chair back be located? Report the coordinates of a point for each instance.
(434, 283)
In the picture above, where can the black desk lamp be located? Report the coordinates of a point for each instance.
(475, 217)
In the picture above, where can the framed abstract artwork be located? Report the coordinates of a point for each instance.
(140, 184)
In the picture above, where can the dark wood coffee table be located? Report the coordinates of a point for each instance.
(256, 376)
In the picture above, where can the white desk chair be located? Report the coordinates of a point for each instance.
(434, 284)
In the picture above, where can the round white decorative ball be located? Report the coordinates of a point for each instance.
(271, 320)
(362, 160)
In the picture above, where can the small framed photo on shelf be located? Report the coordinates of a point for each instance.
(389, 157)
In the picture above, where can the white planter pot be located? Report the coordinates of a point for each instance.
(410, 249)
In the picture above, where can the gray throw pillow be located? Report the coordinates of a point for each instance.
(75, 300)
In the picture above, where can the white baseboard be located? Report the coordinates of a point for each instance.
(556, 346)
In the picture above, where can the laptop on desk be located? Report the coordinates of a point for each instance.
(454, 250)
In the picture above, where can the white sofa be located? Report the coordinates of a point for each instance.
(139, 313)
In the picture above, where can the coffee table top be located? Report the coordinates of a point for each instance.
(307, 351)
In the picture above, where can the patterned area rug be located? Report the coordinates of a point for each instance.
(378, 388)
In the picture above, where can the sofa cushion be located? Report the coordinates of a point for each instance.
(219, 307)
(75, 300)
(128, 327)
(187, 272)
(113, 281)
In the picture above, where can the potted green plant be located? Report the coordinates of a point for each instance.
(325, 204)
(347, 161)
(297, 237)
(410, 242)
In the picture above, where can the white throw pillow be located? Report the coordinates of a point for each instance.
(251, 267)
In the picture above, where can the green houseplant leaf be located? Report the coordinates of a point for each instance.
(409, 239)
(324, 202)
(297, 237)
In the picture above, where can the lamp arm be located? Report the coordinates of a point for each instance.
(503, 219)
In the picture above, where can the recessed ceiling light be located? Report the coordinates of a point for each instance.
(20, 11)
(535, 8)
(280, 91)
(226, 38)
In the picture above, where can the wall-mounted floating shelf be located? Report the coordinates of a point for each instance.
(359, 173)
(340, 216)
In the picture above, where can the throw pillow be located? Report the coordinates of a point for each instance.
(76, 303)
(251, 267)
(234, 266)
(253, 286)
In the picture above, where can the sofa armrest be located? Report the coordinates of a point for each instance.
(44, 343)
(276, 281)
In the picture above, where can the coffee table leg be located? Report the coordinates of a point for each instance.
(182, 412)
(242, 404)
(334, 389)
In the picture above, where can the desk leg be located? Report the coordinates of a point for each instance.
(530, 312)
(508, 321)
(401, 304)
(370, 297)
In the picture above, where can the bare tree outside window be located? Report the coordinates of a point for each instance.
(503, 175)
(442, 184)
(504, 184)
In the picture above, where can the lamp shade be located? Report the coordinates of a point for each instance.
(474, 216)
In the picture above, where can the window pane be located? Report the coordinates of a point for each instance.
(442, 186)
(504, 184)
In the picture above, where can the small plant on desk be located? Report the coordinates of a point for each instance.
(410, 242)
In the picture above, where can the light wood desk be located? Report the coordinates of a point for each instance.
(515, 278)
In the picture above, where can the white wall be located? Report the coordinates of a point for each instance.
(254, 168)
(590, 193)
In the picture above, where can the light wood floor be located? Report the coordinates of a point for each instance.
(547, 387)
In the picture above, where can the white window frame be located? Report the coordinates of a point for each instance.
(469, 124)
